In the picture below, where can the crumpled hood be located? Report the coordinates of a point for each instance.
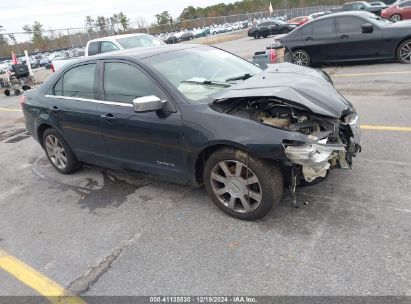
(294, 84)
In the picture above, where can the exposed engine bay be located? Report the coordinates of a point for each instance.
(329, 141)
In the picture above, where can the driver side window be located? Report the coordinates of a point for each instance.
(124, 82)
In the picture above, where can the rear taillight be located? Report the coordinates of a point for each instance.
(273, 56)
(52, 67)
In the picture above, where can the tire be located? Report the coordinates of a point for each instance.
(396, 17)
(16, 92)
(7, 92)
(230, 192)
(257, 35)
(56, 157)
(301, 57)
(265, 36)
(404, 52)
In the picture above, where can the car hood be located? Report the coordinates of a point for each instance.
(400, 24)
(296, 85)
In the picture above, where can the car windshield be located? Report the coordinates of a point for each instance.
(201, 71)
(138, 41)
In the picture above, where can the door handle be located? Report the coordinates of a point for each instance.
(109, 117)
(344, 37)
(309, 38)
(54, 109)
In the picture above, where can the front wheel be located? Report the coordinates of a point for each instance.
(257, 35)
(404, 52)
(242, 186)
(59, 153)
(301, 57)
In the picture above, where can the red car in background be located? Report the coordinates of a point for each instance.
(299, 20)
(398, 11)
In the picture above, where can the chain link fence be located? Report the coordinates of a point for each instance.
(78, 37)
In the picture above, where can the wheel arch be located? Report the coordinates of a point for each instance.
(206, 152)
(40, 131)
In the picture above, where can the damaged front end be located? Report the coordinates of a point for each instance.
(328, 142)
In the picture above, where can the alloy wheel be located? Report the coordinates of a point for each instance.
(395, 18)
(405, 52)
(56, 152)
(236, 186)
(300, 58)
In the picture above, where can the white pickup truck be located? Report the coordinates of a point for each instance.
(110, 44)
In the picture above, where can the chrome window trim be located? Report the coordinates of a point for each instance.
(112, 103)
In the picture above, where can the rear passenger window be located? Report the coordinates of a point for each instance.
(124, 82)
(325, 26)
(93, 48)
(77, 82)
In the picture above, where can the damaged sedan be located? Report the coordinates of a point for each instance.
(197, 115)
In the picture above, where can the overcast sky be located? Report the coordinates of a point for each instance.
(55, 14)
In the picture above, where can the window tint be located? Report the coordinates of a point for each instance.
(107, 46)
(93, 48)
(123, 83)
(349, 24)
(306, 30)
(325, 26)
(77, 82)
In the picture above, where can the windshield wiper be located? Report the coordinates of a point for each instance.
(207, 82)
(241, 77)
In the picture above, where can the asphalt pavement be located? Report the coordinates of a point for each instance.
(105, 232)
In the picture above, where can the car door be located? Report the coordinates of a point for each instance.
(354, 44)
(73, 108)
(150, 141)
(274, 28)
(320, 39)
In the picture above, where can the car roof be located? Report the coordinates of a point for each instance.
(349, 13)
(117, 37)
(142, 52)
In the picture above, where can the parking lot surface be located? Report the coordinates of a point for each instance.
(104, 232)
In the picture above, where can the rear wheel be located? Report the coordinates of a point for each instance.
(301, 57)
(257, 35)
(404, 52)
(396, 17)
(242, 186)
(59, 153)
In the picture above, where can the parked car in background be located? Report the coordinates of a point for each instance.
(398, 11)
(320, 14)
(196, 115)
(111, 44)
(272, 27)
(378, 3)
(360, 6)
(300, 20)
(349, 36)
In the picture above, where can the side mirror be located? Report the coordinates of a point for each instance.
(367, 28)
(148, 103)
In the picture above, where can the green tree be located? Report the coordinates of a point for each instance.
(3, 39)
(188, 13)
(163, 18)
(89, 22)
(37, 31)
(123, 20)
(101, 23)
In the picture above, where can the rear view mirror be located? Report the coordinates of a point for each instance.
(367, 28)
(148, 103)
